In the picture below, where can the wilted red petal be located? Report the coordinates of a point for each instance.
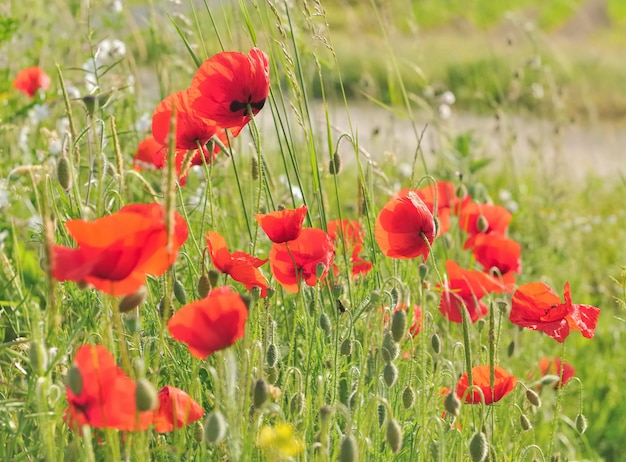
(227, 83)
(30, 80)
(494, 250)
(282, 225)
(481, 377)
(403, 226)
(176, 409)
(210, 324)
(297, 260)
(537, 307)
(581, 317)
(191, 130)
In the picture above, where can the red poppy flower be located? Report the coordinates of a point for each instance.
(210, 324)
(403, 226)
(350, 234)
(116, 252)
(553, 367)
(31, 80)
(493, 250)
(537, 307)
(228, 83)
(176, 409)
(503, 385)
(464, 289)
(190, 129)
(282, 225)
(240, 266)
(297, 260)
(495, 217)
(107, 395)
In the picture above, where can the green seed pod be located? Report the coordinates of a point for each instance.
(581, 423)
(479, 447)
(423, 271)
(198, 431)
(74, 379)
(145, 396)
(390, 374)
(382, 414)
(179, 292)
(435, 343)
(394, 435)
(325, 325)
(203, 286)
(261, 393)
(349, 451)
(64, 174)
(408, 397)
(38, 356)
(214, 428)
(398, 325)
(482, 225)
(452, 403)
(131, 301)
(346, 347)
(213, 277)
(524, 422)
(296, 405)
(533, 398)
(271, 356)
(334, 166)
(390, 348)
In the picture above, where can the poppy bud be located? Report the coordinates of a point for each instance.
(382, 414)
(408, 397)
(214, 428)
(270, 292)
(334, 166)
(132, 301)
(390, 374)
(390, 348)
(344, 389)
(394, 435)
(139, 367)
(349, 450)
(260, 393)
(213, 277)
(271, 356)
(511, 349)
(461, 191)
(478, 447)
(179, 292)
(297, 403)
(346, 347)
(549, 379)
(435, 343)
(63, 172)
(452, 403)
(255, 293)
(272, 374)
(74, 379)
(423, 271)
(198, 431)
(320, 269)
(247, 300)
(38, 356)
(337, 290)
(482, 225)
(255, 168)
(533, 398)
(203, 286)
(581, 423)
(325, 324)
(145, 396)
(398, 325)
(524, 422)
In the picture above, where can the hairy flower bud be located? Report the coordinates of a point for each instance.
(179, 292)
(390, 348)
(408, 397)
(64, 175)
(131, 301)
(346, 347)
(394, 435)
(479, 447)
(390, 374)
(74, 379)
(203, 286)
(398, 325)
(581, 423)
(261, 393)
(349, 450)
(214, 428)
(145, 396)
(452, 403)
(533, 398)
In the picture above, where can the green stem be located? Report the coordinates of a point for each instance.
(557, 407)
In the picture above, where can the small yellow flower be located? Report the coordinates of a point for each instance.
(280, 439)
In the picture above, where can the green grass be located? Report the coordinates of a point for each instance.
(569, 231)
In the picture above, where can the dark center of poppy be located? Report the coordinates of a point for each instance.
(236, 106)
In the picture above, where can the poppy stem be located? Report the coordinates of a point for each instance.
(559, 399)
(243, 202)
(119, 331)
(119, 158)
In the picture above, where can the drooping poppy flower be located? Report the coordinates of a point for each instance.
(107, 395)
(493, 250)
(477, 219)
(150, 155)
(176, 409)
(350, 234)
(536, 306)
(553, 367)
(464, 289)
(296, 261)
(191, 130)
(283, 225)
(31, 80)
(228, 84)
(116, 252)
(211, 324)
(403, 226)
(240, 266)
(503, 385)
